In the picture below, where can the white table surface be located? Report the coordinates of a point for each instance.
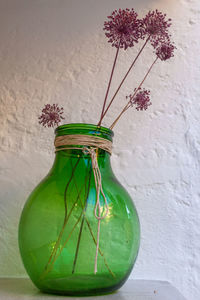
(21, 288)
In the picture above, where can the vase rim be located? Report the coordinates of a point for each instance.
(85, 126)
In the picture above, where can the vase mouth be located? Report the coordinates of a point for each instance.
(84, 128)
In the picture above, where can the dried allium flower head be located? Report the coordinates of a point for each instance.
(141, 99)
(123, 28)
(165, 51)
(51, 115)
(156, 27)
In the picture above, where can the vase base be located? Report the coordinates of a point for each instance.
(81, 285)
(95, 292)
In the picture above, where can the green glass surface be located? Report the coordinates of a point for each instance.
(58, 228)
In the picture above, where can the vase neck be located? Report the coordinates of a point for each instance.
(77, 141)
(65, 159)
(84, 129)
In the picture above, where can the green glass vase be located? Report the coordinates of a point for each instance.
(58, 230)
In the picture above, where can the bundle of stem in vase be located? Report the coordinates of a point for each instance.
(123, 29)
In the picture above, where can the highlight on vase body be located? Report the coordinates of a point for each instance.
(79, 231)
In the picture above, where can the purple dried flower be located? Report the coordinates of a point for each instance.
(156, 27)
(165, 51)
(51, 115)
(123, 28)
(141, 99)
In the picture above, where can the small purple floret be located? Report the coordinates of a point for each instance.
(141, 99)
(156, 27)
(51, 115)
(165, 51)
(123, 29)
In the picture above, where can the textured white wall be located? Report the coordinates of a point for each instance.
(55, 51)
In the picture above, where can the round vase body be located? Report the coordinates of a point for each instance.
(58, 230)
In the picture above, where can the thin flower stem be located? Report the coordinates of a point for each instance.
(129, 103)
(133, 63)
(82, 223)
(109, 84)
(63, 246)
(67, 185)
(101, 253)
(65, 218)
(54, 254)
(90, 229)
(119, 116)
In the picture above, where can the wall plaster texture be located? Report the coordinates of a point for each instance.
(54, 51)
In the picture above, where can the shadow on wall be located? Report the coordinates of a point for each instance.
(18, 176)
(67, 17)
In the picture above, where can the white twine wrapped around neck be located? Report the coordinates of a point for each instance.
(94, 143)
(83, 140)
(98, 184)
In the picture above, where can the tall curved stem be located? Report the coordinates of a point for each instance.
(109, 84)
(133, 63)
(82, 223)
(129, 103)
